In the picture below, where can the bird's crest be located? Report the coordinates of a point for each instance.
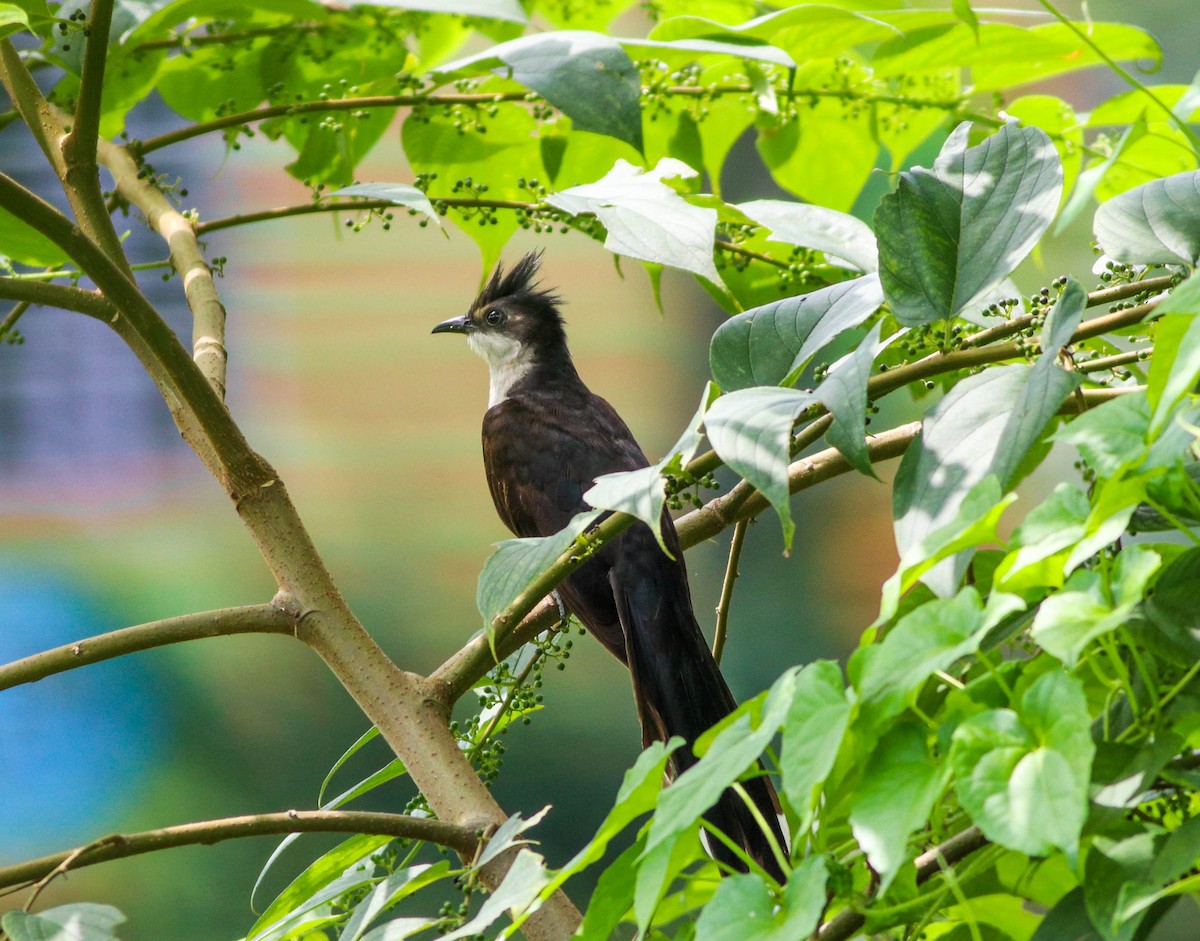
(519, 283)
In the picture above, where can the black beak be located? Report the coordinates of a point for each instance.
(454, 325)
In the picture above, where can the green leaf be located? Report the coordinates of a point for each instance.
(1089, 179)
(507, 836)
(509, 10)
(22, 243)
(398, 885)
(12, 19)
(646, 219)
(613, 896)
(844, 393)
(948, 234)
(985, 425)
(397, 929)
(1067, 919)
(962, 9)
(346, 864)
(1124, 878)
(751, 430)
(587, 76)
(812, 734)
(367, 736)
(509, 150)
(81, 921)
(1038, 545)
(823, 153)
(684, 51)
(737, 746)
(643, 492)
(974, 523)
(927, 639)
(1172, 608)
(1112, 436)
(771, 344)
(899, 786)
(208, 82)
(517, 562)
(743, 910)
(523, 882)
(837, 234)
(1154, 224)
(1175, 366)
(1023, 776)
(1069, 620)
(399, 193)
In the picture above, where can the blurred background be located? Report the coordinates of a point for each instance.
(107, 520)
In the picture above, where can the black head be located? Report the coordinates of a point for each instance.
(513, 313)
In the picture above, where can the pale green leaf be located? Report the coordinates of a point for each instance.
(1154, 224)
(646, 219)
(838, 234)
(399, 193)
(743, 910)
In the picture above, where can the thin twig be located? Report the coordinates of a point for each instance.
(14, 315)
(1112, 362)
(224, 622)
(91, 303)
(847, 923)
(120, 846)
(731, 573)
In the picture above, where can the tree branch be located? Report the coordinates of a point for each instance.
(731, 574)
(91, 303)
(120, 846)
(32, 106)
(82, 177)
(847, 923)
(199, 287)
(141, 148)
(250, 619)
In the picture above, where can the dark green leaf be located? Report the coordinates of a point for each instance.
(948, 234)
(1172, 608)
(770, 345)
(587, 76)
(646, 219)
(1064, 317)
(613, 896)
(1067, 919)
(900, 783)
(1154, 224)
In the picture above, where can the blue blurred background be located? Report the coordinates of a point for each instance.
(107, 519)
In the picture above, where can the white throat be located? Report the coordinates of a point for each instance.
(508, 362)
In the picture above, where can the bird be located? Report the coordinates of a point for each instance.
(546, 438)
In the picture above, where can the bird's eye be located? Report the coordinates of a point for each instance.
(494, 317)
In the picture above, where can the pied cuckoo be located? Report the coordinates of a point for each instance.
(546, 438)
